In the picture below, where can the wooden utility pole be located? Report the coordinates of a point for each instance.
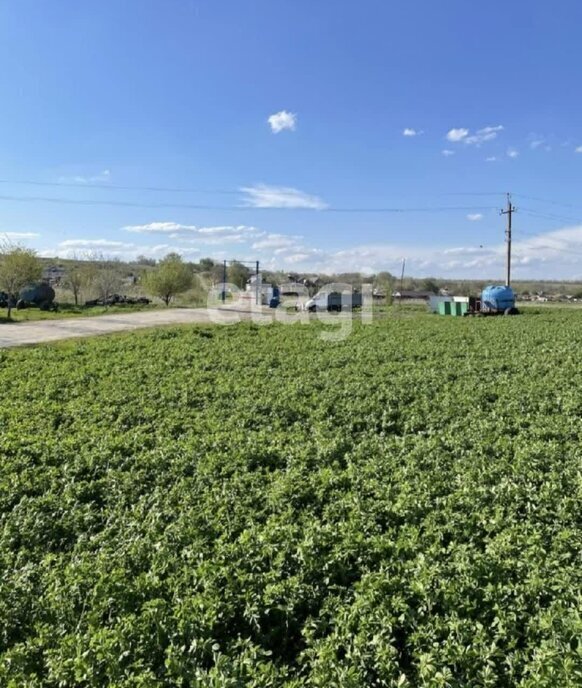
(402, 279)
(224, 282)
(509, 212)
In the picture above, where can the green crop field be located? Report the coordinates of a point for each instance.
(252, 506)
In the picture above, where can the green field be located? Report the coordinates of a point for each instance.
(252, 506)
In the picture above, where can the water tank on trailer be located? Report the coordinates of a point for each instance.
(38, 294)
(497, 298)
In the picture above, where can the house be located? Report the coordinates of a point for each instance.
(54, 274)
(412, 295)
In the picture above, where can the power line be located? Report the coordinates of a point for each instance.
(546, 248)
(545, 200)
(107, 186)
(551, 216)
(190, 206)
(117, 187)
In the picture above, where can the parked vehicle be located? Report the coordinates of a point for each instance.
(494, 300)
(333, 301)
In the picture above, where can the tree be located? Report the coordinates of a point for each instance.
(206, 264)
(171, 277)
(429, 284)
(18, 267)
(77, 277)
(238, 274)
(144, 260)
(107, 282)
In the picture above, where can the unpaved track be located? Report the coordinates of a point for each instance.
(41, 331)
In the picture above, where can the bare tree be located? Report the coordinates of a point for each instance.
(106, 282)
(76, 278)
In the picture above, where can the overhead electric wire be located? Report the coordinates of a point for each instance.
(181, 189)
(551, 216)
(545, 247)
(118, 187)
(545, 200)
(190, 206)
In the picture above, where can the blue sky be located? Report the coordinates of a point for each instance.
(280, 117)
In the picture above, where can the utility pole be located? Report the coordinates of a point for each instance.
(257, 285)
(509, 212)
(402, 278)
(224, 281)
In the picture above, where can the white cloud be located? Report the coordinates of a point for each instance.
(480, 136)
(100, 178)
(544, 256)
(276, 241)
(474, 217)
(17, 236)
(512, 153)
(536, 144)
(297, 258)
(282, 120)
(491, 158)
(579, 149)
(73, 248)
(264, 196)
(456, 135)
(88, 244)
(483, 135)
(412, 132)
(446, 152)
(160, 228)
(206, 235)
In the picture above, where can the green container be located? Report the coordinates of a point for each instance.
(456, 308)
(459, 308)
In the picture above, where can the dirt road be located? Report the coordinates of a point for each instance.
(41, 331)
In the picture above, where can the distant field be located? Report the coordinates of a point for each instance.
(251, 506)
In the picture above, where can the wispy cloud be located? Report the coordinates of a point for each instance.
(176, 230)
(481, 136)
(101, 178)
(17, 236)
(412, 132)
(549, 255)
(264, 196)
(543, 255)
(579, 149)
(539, 142)
(491, 158)
(447, 152)
(93, 244)
(474, 217)
(512, 153)
(281, 121)
(276, 241)
(72, 248)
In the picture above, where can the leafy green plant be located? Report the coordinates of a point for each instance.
(248, 507)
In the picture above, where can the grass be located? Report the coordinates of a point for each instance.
(252, 506)
(67, 310)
